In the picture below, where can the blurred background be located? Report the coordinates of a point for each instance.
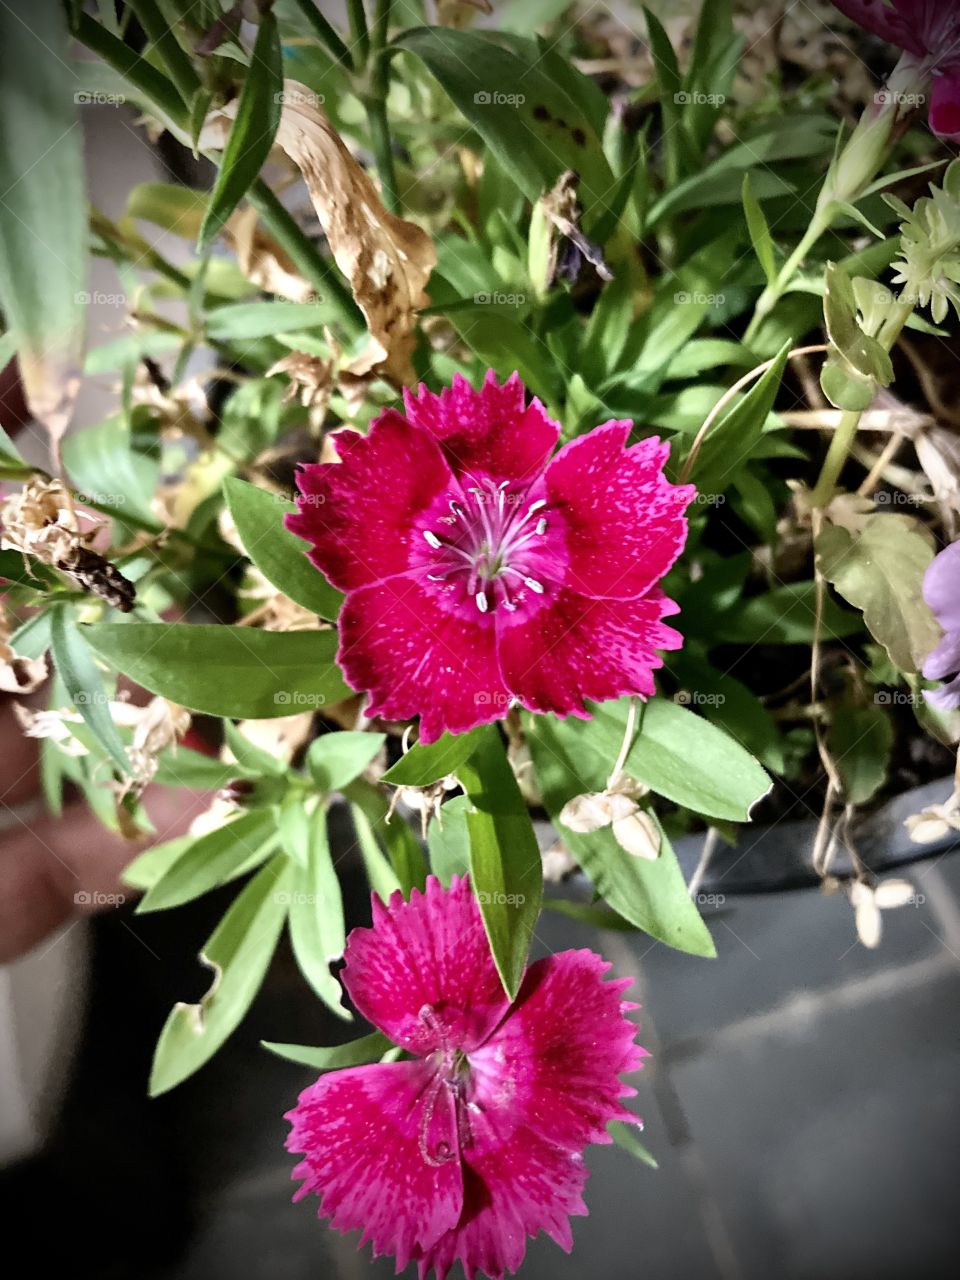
(801, 1097)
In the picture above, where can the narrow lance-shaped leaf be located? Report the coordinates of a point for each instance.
(448, 838)
(239, 952)
(211, 860)
(760, 236)
(505, 866)
(253, 131)
(334, 759)
(84, 683)
(317, 930)
(403, 849)
(651, 895)
(355, 1053)
(226, 671)
(427, 763)
(730, 442)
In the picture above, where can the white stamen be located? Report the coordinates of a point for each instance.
(457, 510)
(482, 603)
(534, 585)
(437, 577)
(432, 539)
(535, 506)
(542, 525)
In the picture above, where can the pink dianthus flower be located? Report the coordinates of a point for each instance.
(475, 1142)
(480, 571)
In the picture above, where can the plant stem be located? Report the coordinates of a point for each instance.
(774, 292)
(376, 106)
(629, 733)
(359, 35)
(161, 37)
(325, 32)
(305, 255)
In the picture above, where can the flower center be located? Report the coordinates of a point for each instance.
(451, 1077)
(488, 544)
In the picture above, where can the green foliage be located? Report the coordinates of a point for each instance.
(225, 671)
(505, 864)
(253, 131)
(880, 571)
(699, 201)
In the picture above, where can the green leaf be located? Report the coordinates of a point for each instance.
(150, 866)
(83, 681)
(334, 759)
(240, 321)
(279, 555)
(403, 849)
(181, 767)
(729, 704)
(854, 355)
(43, 249)
(688, 760)
(356, 1053)
(535, 126)
(881, 573)
(169, 205)
(238, 952)
(426, 763)
(108, 473)
(381, 876)
(785, 615)
(860, 742)
(316, 914)
(730, 442)
(448, 839)
(844, 387)
(650, 895)
(211, 860)
(225, 671)
(760, 236)
(253, 131)
(625, 1135)
(505, 866)
(679, 155)
(248, 755)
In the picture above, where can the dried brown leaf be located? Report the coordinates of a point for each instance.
(386, 259)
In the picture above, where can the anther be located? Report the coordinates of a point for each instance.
(482, 603)
(432, 539)
(534, 585)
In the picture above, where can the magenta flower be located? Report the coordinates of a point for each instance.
(475, 1142)
(928, 31)
(480, 572)
(941, 590)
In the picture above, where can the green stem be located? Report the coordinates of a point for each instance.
(325, 32)
(376, 106)
(359, 35)
(774, 292)
(846, 431)
(161, 37)
(135, 245)
(153, 86)
(305, 255)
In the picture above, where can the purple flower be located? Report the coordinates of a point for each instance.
(941, 590)
(928, 32)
